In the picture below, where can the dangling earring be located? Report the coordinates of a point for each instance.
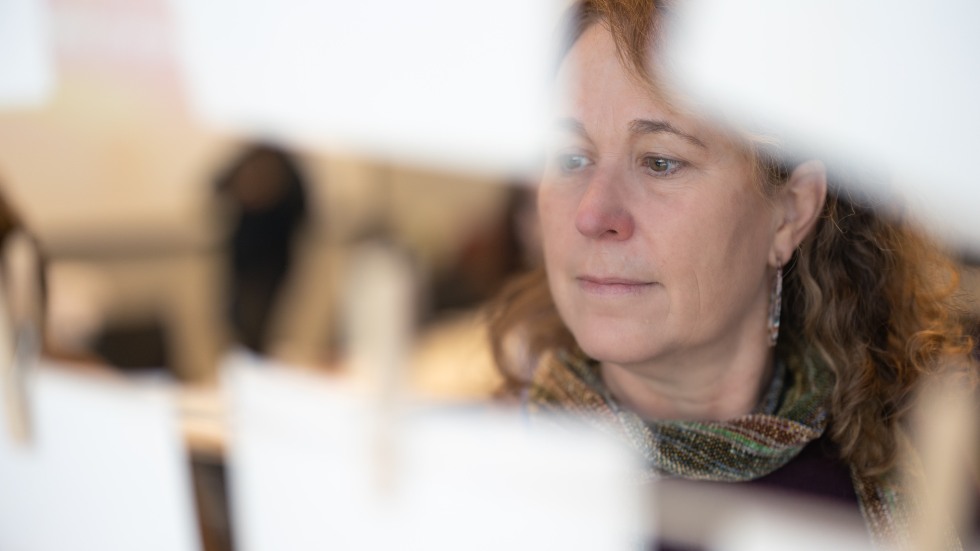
(775, 305)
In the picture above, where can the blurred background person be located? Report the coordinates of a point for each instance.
(264, 194)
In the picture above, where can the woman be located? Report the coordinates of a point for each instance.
(734, 316)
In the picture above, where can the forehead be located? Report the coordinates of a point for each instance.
(600, 91)
(593, 72)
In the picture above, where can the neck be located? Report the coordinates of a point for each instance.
(715, 384)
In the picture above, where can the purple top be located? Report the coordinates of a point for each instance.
(816, 472)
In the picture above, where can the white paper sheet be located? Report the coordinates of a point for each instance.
(433, 81)
(26, 62)
(105, 469)
(307, 471)
(892, 83)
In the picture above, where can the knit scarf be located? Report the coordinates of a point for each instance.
(792, 413)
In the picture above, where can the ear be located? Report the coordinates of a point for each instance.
(798, 206)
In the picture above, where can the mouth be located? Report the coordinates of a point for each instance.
(613, 286)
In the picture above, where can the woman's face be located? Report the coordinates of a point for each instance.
(656, 234)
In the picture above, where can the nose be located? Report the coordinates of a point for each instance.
(602, 212)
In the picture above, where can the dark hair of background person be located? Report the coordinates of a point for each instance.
(876, 298)
(265, 191)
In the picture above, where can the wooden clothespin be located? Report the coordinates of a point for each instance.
(380, 314)
(946, 442)
(20, 328)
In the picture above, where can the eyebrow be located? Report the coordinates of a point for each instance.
(574, 126)
(636, 126)
(643, 126)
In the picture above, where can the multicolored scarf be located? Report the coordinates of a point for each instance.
(791, 414)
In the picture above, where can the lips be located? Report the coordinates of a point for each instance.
(613, 286)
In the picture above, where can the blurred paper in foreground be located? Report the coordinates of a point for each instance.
(310, 468)
(433, 81)
(26, 66)
(105, 469)
(893, 83)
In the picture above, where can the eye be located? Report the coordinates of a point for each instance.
(573, 162)
(662, 166)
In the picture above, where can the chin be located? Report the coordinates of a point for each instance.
(616, 356)
(621, 347)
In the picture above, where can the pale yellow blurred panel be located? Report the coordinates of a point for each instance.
(102, 156)
(434, 211)
(453, 361)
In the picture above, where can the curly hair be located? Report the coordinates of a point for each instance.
(878, 300)
(867, 290)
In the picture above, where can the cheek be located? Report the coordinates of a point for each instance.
(736, 219)
(736, 249)
(751, 227)
(709, 242)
